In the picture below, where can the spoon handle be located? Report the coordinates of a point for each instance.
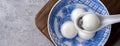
(107, 20)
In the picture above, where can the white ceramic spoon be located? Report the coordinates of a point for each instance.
(104, 20)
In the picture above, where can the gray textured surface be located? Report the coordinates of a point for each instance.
(17, 23)
(117, 43)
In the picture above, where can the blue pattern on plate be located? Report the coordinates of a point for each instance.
(61, 13)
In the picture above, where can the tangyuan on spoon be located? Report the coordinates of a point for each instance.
(88, 23)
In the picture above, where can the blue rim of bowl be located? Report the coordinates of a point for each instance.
(49, 20)
(57, 3)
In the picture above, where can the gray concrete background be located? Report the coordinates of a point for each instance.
(17, 23)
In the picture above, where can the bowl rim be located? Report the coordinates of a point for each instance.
(51, 12)
(49, 21)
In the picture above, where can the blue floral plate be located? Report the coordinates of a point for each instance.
(61, 12)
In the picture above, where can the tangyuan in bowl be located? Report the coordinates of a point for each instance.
(61, 13)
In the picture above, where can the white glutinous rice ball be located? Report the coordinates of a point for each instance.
(90, 22)
(68, 30)
(75, 13)
(84, 35)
